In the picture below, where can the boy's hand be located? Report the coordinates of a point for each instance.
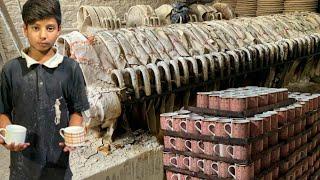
(66, 148)
(13, 147)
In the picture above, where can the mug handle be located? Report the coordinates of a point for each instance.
(230, 151)
(225, 128)
(170, 121)
(182, 128)
(5, 130)
(173, 164)
(214, 169)
(215, 150)
(197, 125)
(198, 164)
(229, 170)
(187, 159)
(199, 147)
(61, 132)
(209, 128)
(172, 142)
(185, 144)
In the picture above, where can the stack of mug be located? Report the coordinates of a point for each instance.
(241, 99)
(278, 143)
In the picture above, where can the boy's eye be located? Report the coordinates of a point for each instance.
(35, 28)
(50, 29)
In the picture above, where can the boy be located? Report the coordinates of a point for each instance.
(44, 92)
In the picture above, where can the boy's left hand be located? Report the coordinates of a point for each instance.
(66, 148)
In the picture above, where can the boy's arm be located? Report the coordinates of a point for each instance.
(76, 119)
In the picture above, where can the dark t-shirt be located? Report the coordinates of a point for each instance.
(31, 96)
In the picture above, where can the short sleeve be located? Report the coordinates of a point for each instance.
(78, 96)
(5, 95)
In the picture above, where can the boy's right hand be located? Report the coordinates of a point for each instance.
(13, 147)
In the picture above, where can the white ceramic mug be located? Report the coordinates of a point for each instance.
(14, 134)
(73, 136)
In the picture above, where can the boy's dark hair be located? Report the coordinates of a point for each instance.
(35, 10)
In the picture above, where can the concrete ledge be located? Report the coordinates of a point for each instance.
(136, 156)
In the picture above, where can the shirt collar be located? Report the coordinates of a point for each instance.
(53, 62)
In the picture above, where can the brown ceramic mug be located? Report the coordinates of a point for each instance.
(177, 122)
(166, 158)
(219, 127)
(223, 170)
(282, 116)
(174, 143)
(208, 126)
(239, 128)
(239, 152)
(211, 167)
(192, 146)
(263, 99)
(266, 160)
(207, 148)
(191, 164)
(252, 101)
(256, 126)
(224, 101)
(166, 121)
(214, 101)
(241, 172)
(275, 155)
(238, 103)
(203, 99)
(221, 150)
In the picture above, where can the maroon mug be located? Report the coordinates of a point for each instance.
(174, 143)
(256, 126)
(241, 172)
(214, 101)
(282, 116)
(239, 152)
(208, 126)
(219, 128)
(166, 122)
(238, 103)
(177, 121)
(238, 128)
(191, 164)
(211, 167)
(203, 99)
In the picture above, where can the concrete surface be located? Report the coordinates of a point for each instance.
(4, 163)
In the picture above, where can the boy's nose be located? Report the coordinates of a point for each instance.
(43, 34)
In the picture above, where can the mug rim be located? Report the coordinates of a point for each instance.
(15, 128)
(73, 129)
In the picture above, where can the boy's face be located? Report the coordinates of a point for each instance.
(42, 34)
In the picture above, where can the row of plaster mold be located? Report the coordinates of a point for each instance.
(154, 78)
(98, 17)
(141, 15)
(251, 8)
(300, 5)
(130, 47)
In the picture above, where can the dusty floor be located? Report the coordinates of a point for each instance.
(4, 163)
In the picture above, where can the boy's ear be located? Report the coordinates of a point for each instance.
(59, 29)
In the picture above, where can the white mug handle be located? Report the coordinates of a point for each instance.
(199, 146)
(230, 151)
(200, 164)
(170, 122)
(216, 165)
(61, 132)
(5, 130)
(181, 126)
(229, 170)
(197, 125)
(172, 142)
(185, 160)
(216, 149)
(188, 147)
(209, 128)
(172, 163)
(225, 129)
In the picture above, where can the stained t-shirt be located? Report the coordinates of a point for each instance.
(41, 99)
